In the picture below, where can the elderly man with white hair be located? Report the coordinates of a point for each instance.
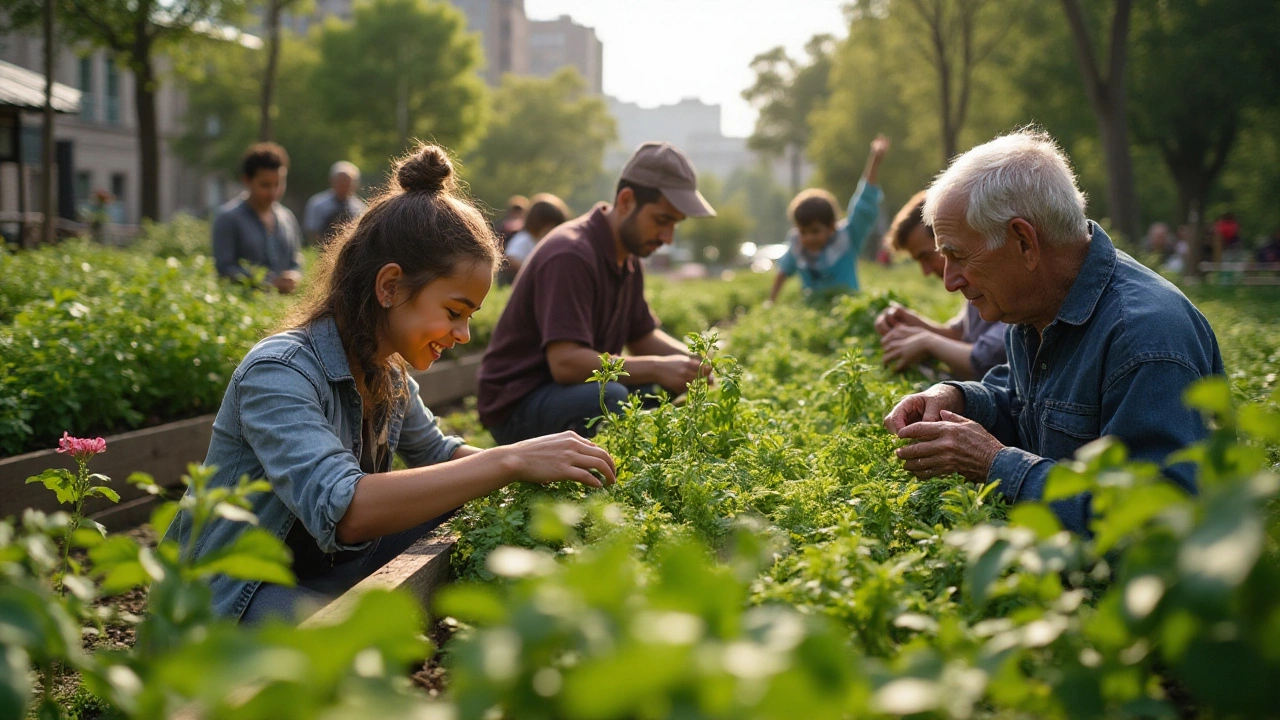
(328, 210)
(1100, 345)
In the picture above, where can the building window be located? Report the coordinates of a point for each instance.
(113, 94)
(84, 186)
(119, 189)
(88, 104)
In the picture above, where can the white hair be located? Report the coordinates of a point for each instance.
(1023, 174)
(343, 167)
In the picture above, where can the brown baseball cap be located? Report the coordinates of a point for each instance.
(661, 165)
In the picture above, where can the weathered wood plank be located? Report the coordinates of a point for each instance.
(422, 570)
(163, 451)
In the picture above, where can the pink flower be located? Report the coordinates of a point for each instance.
(81, 448)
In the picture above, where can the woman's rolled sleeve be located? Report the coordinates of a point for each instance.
(308, 467)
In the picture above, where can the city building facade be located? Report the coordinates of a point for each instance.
(558, 43)
(103, 137)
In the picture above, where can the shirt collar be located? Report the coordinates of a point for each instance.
(248, 209)
(601, 235)
(328, 345)
(1099, 264)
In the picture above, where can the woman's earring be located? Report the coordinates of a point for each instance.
(386, 303)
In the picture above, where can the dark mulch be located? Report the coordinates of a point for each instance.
(432, 677)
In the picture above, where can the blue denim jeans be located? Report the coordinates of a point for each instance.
(295, 604)
(555, 408)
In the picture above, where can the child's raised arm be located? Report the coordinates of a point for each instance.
(879, 147)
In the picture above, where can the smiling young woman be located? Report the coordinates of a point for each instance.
(319, 408)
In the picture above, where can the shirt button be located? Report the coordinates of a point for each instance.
(1044, 366)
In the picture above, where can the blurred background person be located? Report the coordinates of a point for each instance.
(256, 230)
(332, 208)
(969, 345)
(546, 211)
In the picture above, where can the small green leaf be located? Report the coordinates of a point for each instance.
(227, 511)
(471, 603)
(92, 525)
(255, 555)
(1065, 481)
(104, 491)
(1039, 518)
(1134, 509)
(60, 481)
(142, 480)
(163, 516)
(116, 562)
(1210, 395)
(1261, 423)
(1223, 550)
(81, 587)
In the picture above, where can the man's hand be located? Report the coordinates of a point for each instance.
(675, 372)
(905, 346)
(924, 406)
(896, 315)
(954, 444)
(287, 281)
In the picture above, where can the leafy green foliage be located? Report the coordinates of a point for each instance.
(775, 492)
(186, 661)
(401, 69)
(97, 339)
(546, 135)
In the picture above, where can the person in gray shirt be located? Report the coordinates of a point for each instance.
(329, 210)
(256, 230)
(969, 345)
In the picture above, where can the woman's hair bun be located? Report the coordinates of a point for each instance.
(426, 169)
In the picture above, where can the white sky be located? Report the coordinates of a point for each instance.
(657, 52)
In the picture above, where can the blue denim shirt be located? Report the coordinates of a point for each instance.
(292, 415)
(1115, 361)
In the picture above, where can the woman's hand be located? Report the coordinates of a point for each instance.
(563, 456)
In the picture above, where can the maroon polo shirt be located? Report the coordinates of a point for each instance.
(569, 289)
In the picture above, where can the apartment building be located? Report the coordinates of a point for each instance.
(103, 137)
(558, 43)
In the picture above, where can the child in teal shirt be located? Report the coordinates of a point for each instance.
(822, 251)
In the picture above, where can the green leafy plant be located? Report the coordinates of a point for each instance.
(73, 489)
(610, 370)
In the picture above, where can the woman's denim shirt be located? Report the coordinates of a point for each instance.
(1115, 361)
(292, 415)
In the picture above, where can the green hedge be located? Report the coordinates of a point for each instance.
(96, 340)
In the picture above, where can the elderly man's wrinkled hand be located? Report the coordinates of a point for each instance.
(924, 406)
(953, 444)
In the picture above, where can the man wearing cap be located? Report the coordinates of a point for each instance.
(328, 210)
(580, 294)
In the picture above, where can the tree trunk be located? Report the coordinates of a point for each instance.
(1108, 98)
(1191, 197)
(148, 134)
(1122, 197)
(266, 128)
(1195, 164)
(46, 175)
